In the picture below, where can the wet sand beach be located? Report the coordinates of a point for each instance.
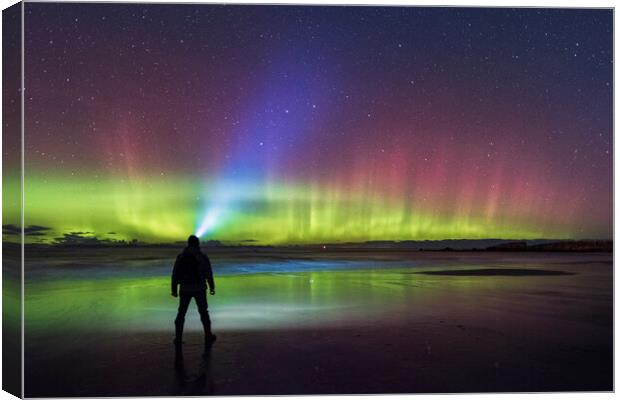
(294, 323)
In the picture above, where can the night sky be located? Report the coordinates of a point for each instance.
(291, 124)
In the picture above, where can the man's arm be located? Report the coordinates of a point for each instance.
(175, 278)
(209, 274)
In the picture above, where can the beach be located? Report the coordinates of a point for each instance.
(334, 322)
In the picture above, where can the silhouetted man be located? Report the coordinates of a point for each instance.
(190, 271)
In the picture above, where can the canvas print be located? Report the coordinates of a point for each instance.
(231, 199)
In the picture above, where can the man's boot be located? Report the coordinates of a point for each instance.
(206, 324)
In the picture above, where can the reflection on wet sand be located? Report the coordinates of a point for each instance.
(425, 322)
(198, 383)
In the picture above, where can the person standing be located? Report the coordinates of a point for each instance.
(192, 272)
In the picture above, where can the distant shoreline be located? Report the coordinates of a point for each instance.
(454, 245)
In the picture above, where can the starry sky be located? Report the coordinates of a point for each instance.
(307, 124)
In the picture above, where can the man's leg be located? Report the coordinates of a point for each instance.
(203, 310)
(180, 319)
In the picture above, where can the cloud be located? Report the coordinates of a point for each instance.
(89, 239)
(78, 238)
(36, 234)
(30, 230)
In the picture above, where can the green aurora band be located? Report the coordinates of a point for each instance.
(166, 210)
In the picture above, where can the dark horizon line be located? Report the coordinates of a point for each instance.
(256, 243)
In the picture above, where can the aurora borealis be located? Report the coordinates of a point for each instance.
(291, 124)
